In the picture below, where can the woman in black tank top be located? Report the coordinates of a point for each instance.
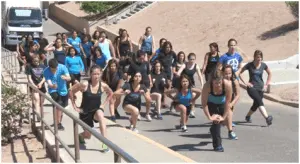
(92, 109)
(210, 60)
(124, 45)
(113, 77)
(230, 76)
(134, 90)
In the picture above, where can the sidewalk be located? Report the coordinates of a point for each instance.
(132, 143)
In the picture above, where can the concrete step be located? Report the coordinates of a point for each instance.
(128, 15)
(123, 17)
(140, 6)
(137, 9)
(149, 2)
(132, 12)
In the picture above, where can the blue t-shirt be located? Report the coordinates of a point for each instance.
(74, 64)
(87, 47)
(101, 61)
(56, 79)
(75, 43)
(233, 60)
(157, 52)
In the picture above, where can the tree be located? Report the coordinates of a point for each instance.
(294, 7)
(95, 7)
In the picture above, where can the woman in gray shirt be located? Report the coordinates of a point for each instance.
(256, 86)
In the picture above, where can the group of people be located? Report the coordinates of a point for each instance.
(155, 74)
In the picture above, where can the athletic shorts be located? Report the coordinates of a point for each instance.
(61, 100)
(43, 89)
(88, 118)
(188, 108)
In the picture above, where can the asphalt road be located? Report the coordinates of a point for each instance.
(256, 143)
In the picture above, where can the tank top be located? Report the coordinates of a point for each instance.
(190, 73)
(124, 46)
(185, 100)
(147, 44)
(60, 56)
(217, 99)
(212, 62)
(90, 101)
(105, 49)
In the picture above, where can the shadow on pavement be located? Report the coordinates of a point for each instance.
(244, 123)
(191, 147)
(196, 135)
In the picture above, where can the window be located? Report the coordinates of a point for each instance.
(23, 14)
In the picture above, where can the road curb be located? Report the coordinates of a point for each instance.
(277, 99)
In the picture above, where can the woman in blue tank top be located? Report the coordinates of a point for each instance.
(216, 97)
(185, 95)
(146, 43)
(229, 75)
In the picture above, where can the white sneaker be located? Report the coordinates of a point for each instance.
(130, 126)
(184, 128)
(192, 114)
(139, 117)
(135, 130)
(148, 117)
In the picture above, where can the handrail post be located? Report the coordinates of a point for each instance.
(33, 112)
(42, 124)
(55, 134)
(76, 141)
(29, 113)
(117, 158)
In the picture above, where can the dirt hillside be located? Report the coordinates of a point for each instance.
(191, 26)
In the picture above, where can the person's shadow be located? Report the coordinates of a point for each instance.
(191, 147)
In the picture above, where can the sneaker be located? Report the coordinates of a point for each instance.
(159, 117)
(113, 119)
(148, 117)
(248, 119)
(105, 148)
(60, 127)
(130, 126)
(219, 149)
(178, 126)
(233, 124)
(184, 128)
(232, 136)
(118, 116)
(192, 114)
(139, 117)
(81, 139)
(269, 120)
(135, 130)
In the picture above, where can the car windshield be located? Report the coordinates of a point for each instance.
(24, 14)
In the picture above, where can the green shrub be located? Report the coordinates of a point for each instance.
(294, 7)
(95, 7)
(14, 106)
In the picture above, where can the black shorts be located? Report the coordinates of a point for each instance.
(73, 78)
(216, 108)
(61, 100)
(135, 104)
(88, 118)
(188, 108)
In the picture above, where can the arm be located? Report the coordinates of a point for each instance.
(199, 75)
(241, 78)
(204, 99)
(204, 63)
(112, 49)
(130, 44)
(198, 93)
(50, 47)
(30, 80)
(109, 93)
(181, 69)
(228, 94)
(81, 65)
(140, 42)
(117, 47)
(73, 90)
(153, 45)
(65, 75)
(41, 83)
(82, 50)
(170, 92)
(237, 96)
(119, 91)
(268, 79)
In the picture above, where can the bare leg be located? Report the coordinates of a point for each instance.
(134, 113)
(99, 116)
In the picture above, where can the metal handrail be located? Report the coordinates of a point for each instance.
(118, 152)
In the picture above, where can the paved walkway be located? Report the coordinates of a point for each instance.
(129, 141)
